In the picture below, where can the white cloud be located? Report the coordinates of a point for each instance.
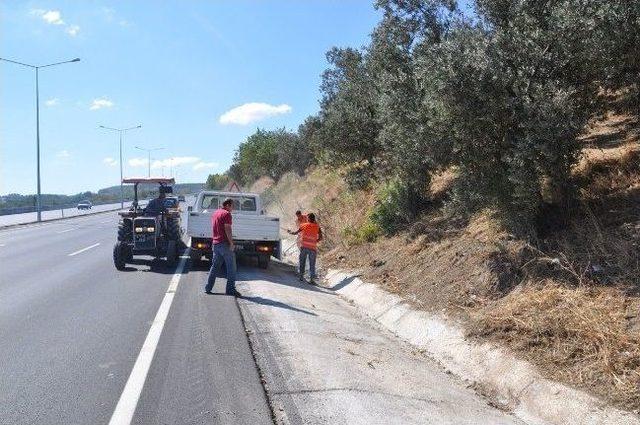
(63, 154)
(110, 161)
(206, 166)
(251, 112)
(101, 103)
(53, 17)
(138, 162)
(172, 162)
(73, 30)
(52, 102)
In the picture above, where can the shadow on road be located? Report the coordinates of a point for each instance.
(273, 303)
(153, 265)
(343, 283)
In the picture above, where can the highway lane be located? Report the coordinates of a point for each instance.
(10, 219)
(72, 328)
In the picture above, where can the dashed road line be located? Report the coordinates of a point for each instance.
(65, 231)
(126, 407)
(84, 249)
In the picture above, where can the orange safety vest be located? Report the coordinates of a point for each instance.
(300, 220)
(310, 233)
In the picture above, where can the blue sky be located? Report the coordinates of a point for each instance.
(199, 76)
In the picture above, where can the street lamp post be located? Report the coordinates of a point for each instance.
(149, 157)
(120, 131)
(37, 68)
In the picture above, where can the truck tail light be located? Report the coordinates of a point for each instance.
(264, 248)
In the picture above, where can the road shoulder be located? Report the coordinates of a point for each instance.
(324, 362)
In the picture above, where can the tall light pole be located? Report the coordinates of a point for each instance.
(149, 157)
(37, 68)
(120, 131)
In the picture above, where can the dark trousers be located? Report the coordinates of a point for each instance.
(304, 253)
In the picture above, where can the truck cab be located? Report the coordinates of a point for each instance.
(254, 233)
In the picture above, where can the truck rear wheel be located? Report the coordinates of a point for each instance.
(263, 261)
(120, 255)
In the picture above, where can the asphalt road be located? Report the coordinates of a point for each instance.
(72, 328)
(83, 343)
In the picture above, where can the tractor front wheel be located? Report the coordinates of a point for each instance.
(120, 255)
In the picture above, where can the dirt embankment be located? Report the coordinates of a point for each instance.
(569, 302)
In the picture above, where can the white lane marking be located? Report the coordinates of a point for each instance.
(65, 231)
(126, 407)
(84, 249)
(1, 244)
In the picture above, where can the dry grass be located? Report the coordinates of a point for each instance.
(579, 335)
(262, 184)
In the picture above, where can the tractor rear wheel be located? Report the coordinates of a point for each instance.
(120, 255)
(172, 253)
(174, 233)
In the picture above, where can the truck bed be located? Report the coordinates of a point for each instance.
(245, 227)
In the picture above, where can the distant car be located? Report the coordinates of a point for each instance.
(84, 205)
(180, 198)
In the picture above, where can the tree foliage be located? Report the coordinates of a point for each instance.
(217, 181)
(270, 153)
(500, 93)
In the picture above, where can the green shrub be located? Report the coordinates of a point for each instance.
(366, 232)
(395, 206)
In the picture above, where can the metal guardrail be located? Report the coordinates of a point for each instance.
(31, 209)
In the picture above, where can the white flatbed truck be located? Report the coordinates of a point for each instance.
(254, 233)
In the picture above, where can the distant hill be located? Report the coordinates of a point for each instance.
(15, 203)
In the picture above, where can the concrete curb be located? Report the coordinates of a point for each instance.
(513, 383)
(27, 223)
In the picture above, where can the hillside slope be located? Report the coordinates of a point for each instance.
(568, 301)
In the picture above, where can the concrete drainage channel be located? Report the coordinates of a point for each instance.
(515, 384)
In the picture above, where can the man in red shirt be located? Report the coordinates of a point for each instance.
(223, 248)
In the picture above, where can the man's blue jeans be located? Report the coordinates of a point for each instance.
(304, 253)
(222, 253)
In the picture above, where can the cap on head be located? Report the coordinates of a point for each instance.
(312, 217)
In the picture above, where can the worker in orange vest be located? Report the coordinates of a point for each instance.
(311, 234)
(300, 219)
